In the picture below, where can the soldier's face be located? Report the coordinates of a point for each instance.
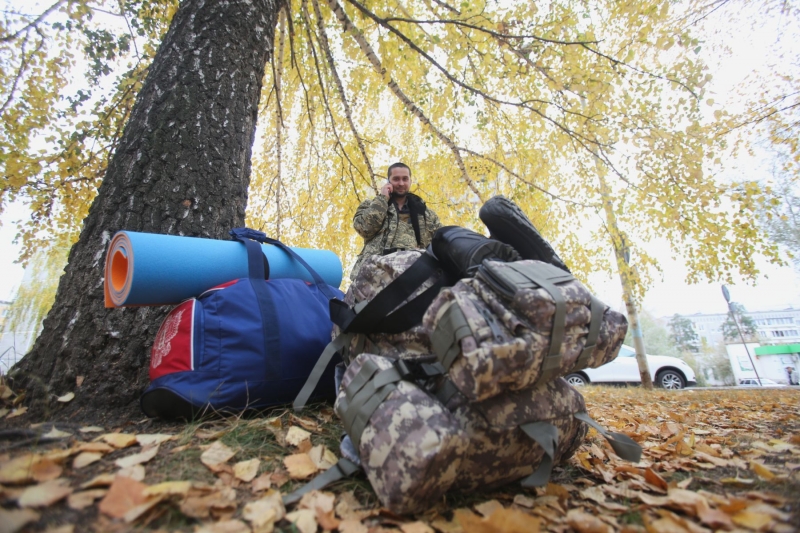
(400, 178)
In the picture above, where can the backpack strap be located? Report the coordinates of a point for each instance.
(336, 345)
(446, 337)
(375, 317)
(597, 310)
(624, 446)
(546, 436)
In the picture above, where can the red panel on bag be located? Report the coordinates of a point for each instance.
(172, 350)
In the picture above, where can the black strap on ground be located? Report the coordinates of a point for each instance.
(375, 317)
(340, 470)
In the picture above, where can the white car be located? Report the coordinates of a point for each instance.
(753, 382)
(667, 372)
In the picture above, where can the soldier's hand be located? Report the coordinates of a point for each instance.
(386, 190)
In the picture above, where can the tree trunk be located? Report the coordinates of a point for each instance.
(183, 168)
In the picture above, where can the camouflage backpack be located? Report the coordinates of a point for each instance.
(471, 396)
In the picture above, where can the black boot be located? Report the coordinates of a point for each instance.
(507, 223)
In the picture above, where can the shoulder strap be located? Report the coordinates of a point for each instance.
(344, 468)
(624, 446)
(375, 317)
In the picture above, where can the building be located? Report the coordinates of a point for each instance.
(774, 327)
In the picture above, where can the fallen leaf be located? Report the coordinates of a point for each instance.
(306, 423)
(654, 479)
(85, 458)
(216, 455)
(79, 381)
(83, 499)
(296, 435)
(146, 440)
(304, 520)
(506, 520)
(137, 458)
(68, 397)
(262, 482)
(45, 470)
(322, 457)
(123, 495)
(447, 526)
(487, 508)
(97, 447)
(135, 472)
(103, 480)
(55, 433)
(524, 501)
(268, 509)
(737, 481)
(91, 429)
(300, 466)
(583, 522)
(223, 526)
(19, 470)
(4, 412)
(166, 488)
(322, 504)
(279, 478)
(349, 508)
(134, 513)
(762, 471)
(119, 440)
(246, 470)
(12, 520)
(751, 520)
(17, 412)
(45, 494)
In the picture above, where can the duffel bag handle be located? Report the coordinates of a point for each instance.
(255, 255)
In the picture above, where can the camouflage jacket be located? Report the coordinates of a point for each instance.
(378, 222)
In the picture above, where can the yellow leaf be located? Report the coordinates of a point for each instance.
(19, 470)
(15, 519)
(304, 520)
(300, 466)
(166, 488)
(123, 495)
(137, 458)
(83, 499)
(68, 397)
(216, 455)
(149, 440)
(297, 435)
(266, 510)
(246, 470)
(45, 494)
(762, 471)
(85, 459)
(751, 520)
(119, 440)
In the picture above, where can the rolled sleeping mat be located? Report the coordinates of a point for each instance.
(154, 269)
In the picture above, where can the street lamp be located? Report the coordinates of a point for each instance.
(727, 296)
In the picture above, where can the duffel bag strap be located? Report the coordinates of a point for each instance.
(597, 310)
(246, 235)
(624, 446)
(446, 337)
(546, 436)
(344, 468)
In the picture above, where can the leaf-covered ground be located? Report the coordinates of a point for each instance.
(714, 460)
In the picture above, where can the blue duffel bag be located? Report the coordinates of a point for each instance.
(246, 344)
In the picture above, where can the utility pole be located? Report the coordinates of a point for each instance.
(727, 296)
(622, 252)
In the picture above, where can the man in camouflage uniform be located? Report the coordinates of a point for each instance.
(395, 219)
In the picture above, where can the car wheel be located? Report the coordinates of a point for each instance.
(577, 380)
(670, 379)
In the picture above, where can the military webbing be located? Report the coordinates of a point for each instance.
(624, 446)
(546, 436)
(445, 391)
(445, 339)
(597, 309)
(330, 350)
(368, 389)
(516, 276)
(340, 470)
